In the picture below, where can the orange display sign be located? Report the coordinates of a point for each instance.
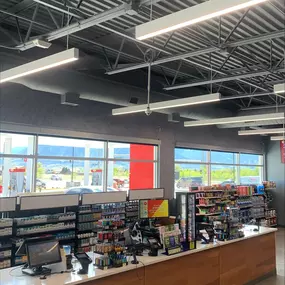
(154, 209)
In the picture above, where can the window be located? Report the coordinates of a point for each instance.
(187, 175)
(251, 159)
(224, 174)
(54, 146)
(131, 166)
(223, 157)
(193, 155)
(64, 163)
(16, 144)
(207, 167)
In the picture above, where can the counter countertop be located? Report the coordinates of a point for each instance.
(14, 276)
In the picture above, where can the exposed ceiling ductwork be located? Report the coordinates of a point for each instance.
(91, 88)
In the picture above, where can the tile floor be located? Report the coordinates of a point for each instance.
(279, 279)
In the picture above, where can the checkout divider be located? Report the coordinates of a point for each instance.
(59, 216)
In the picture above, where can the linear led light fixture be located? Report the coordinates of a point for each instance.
(190, 16)
(279, 88)
(168, 104)
(277, 138)
(48, 62)
(262, 132)
(232, 120)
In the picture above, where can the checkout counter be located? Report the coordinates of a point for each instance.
(236, 262)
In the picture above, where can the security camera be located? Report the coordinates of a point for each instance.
(148, 111)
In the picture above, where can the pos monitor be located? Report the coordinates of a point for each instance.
(151, 209)
(42, 253)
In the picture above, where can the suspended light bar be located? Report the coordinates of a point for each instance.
(190, 16)
(279, 88)
(232, 120)
(48, 62)
(278, 138)
(169, 104)
(262, 132)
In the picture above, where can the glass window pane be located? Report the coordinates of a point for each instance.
(223, 174)
(16, 175)
(251, 175)
(223, 157)
(187, 175)
(251, 159)
(190, 155)
(60, 174)
(124, 175)
(54, 146)
(16, 144)
(132, 151)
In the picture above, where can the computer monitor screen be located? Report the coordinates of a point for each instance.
(43, 253)
(154, 209)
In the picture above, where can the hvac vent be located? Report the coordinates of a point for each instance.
(134, 100)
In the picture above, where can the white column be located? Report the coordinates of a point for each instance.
(29, 167)
(87, 165)
(7, 166)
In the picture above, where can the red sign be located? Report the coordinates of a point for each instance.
(282, 151)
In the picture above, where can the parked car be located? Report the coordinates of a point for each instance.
(55, 177)
(82, 190)
(228, 182)
(40, 184)
(88, 189)
(186, 182)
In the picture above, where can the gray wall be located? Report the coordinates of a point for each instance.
(276, 172)
(23, 106)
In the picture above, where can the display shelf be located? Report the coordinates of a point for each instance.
(205, 205)
(244, 206)
(5, 257)
(5, 247)
(60, 229)
(42, 223)
(6, 236)
(206, 191)
(210, 214)
(89, 212)
(89, 221)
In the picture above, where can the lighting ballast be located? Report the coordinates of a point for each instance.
(168, 104)
(45, 63)
(233, 120)
(192, 15)
(279, 88)
(277, 138)
(261, 132)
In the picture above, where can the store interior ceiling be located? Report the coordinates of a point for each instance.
(240, 55)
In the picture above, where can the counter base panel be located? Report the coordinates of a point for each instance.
(239, 263)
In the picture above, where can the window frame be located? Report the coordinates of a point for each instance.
(105, 159)
(209, 162)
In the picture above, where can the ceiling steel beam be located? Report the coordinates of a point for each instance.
(256, 39)
(81, 25)
(262, 107)
(224, 79)
(23, 5)
(165, 60)
(59, 9)
(204, 51)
